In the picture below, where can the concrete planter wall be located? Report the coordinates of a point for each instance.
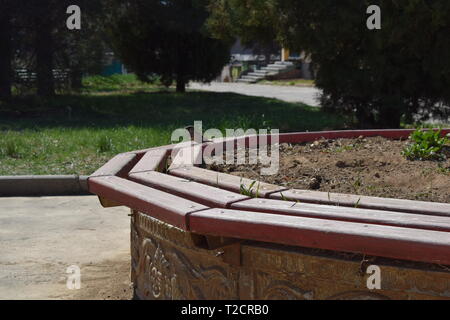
(194, 236)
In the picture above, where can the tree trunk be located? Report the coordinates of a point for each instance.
(5, 55)
(267, 55)
(181, 85)
(44, 59)
(76, 77)
(390, 118)
(365, 118)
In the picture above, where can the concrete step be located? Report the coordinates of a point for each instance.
(277, 66)
(285, 63)
(276, 70)
(260, 72)
(271, 71)
(257, 74)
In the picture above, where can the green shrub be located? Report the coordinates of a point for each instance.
(426, 145)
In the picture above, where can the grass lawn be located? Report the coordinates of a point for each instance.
(77, 133)
(290, 82)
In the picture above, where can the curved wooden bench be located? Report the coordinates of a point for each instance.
(188, 197)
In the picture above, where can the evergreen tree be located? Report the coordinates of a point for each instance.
(82, 51)
(379, 76)
(255, 22)
(167, 38)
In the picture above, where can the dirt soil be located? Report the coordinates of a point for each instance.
(363, 166)
(108, 281)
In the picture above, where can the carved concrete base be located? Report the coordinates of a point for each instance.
(168, 263)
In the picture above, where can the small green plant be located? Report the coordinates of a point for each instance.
(296, 202)
(443, 170)
(426, 145)
(283, 197)
(249, 191)
(104, 144)
(357, 184)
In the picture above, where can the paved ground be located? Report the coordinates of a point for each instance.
(307, 95)
(41, 237)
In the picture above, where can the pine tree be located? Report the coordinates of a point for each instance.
(167, 38)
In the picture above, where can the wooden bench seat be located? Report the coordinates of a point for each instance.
(384, 241)
(225, 181)
(152, 160)
(348, 200)
(160, 205)
(301, 209)
(201, 193)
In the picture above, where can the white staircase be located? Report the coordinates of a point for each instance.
(270, 70)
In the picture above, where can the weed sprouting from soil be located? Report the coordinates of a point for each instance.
(426, 145)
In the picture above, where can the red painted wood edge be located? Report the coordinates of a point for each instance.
(200, 193)
(366, 202)
(117, 166)
(299, 137)
(384, 241)
(168, 148)
(347, 134)
(251, 141)
(160, 205)
(225, 181)
(151, 161)
(186, 157)
(405, 220)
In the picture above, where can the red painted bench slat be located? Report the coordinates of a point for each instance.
(152, 160)
(348, 200)
(117, 166)
(187, 156)
(223, 180)
(391, 218)
(384, 241)
(158, 204)
(209, 196)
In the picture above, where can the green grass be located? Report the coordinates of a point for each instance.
(77, 133)
(129, 82)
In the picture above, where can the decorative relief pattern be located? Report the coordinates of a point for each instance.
(270, 287)
(163, 271)
(205, 279)
(154, 273)
(171, 269)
